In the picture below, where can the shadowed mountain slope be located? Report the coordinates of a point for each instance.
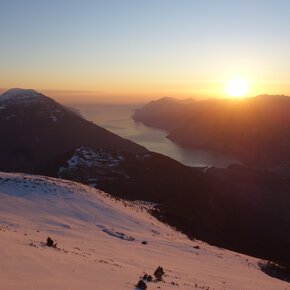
(255, 131)
(36, 130)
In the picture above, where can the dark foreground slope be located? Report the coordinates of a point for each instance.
(256, 130)
(237, 208)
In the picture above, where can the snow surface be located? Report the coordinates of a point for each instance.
(86, 156)
(99, 243)
(102, 163)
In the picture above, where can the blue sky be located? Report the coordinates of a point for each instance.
(149, 47)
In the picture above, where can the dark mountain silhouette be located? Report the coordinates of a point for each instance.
(238, 208)
(36, 130)
(255, 130)
(163, 113)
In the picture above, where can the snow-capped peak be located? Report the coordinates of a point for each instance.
(17, 95)
(20, 92)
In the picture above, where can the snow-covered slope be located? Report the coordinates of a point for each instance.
(99, 243)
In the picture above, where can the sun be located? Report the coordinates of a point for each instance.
(237, 87)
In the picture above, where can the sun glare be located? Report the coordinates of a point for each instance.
(237, 88)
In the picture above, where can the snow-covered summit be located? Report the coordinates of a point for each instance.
(20, 92)
(103, 243)
(17, 95)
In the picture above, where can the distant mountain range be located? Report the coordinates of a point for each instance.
(254, 130)
(238, 208)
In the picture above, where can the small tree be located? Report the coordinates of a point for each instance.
(141, 285)
(50, 243)
(148, 278)
(158, 274)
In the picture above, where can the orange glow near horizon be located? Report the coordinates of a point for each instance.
(141, 91)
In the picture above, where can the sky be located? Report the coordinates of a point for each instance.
(134, 50)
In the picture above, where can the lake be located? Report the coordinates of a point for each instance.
(117, 119)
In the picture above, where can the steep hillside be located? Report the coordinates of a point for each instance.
(36, 131)
(104, 243)
(222, 206)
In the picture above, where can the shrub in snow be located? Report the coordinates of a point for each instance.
(141, 285)
(148, 278)
(158, 274)
(50, 243)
